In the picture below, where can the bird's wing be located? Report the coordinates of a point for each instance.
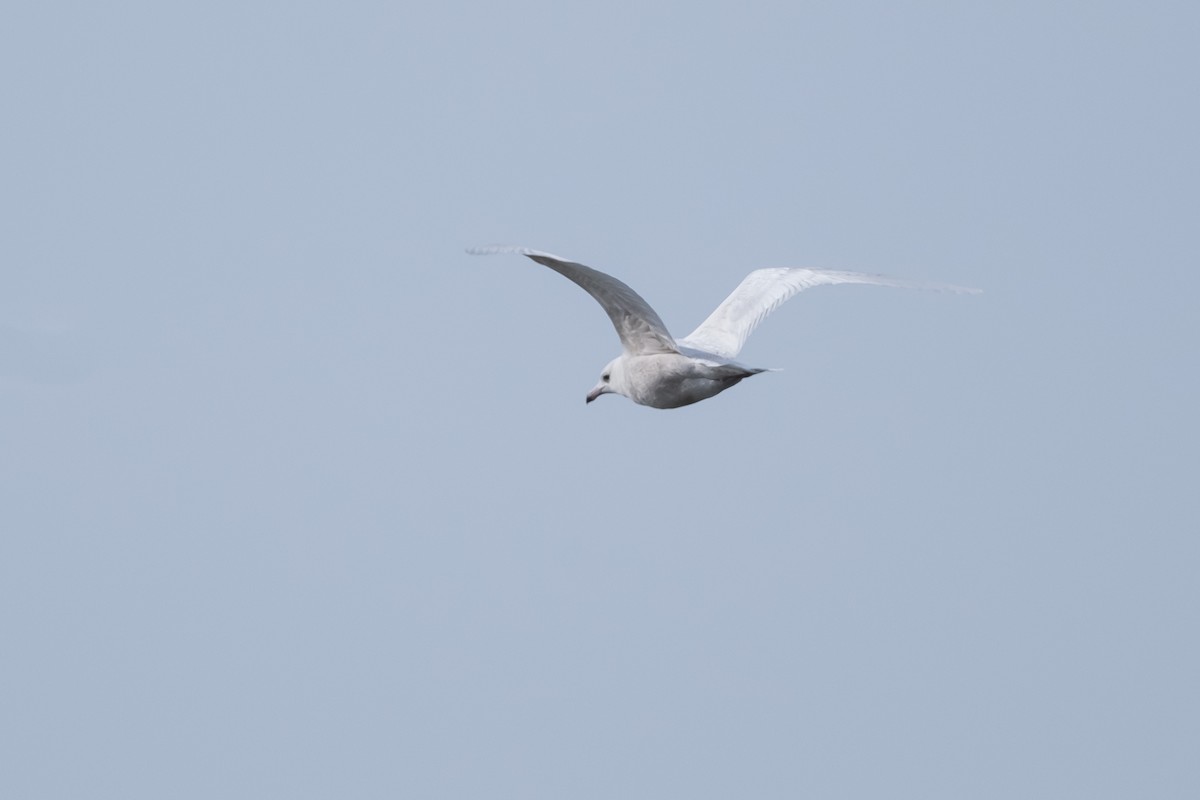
(638, 325)
(764, 290)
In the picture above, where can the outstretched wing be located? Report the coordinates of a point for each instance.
(764, 290)
(638, 325)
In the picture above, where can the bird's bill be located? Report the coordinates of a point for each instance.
(599, 389)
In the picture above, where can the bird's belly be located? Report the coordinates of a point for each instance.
(693, 390)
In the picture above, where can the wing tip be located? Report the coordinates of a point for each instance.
(497, 249)
(502, 249)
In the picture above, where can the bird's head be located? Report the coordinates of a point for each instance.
(612, 380)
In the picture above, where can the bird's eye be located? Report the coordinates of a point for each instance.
(604, 378)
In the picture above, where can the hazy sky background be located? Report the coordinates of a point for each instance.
(299, 500)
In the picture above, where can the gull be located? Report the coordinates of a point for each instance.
(657, 370)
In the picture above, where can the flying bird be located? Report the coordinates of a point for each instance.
(657, 370)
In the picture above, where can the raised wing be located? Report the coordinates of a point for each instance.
(764, 290)
(638, 325)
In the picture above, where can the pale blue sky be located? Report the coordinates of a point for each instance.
(299, 500)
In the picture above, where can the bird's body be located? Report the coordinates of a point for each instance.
(656, 370)
(671, 380)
